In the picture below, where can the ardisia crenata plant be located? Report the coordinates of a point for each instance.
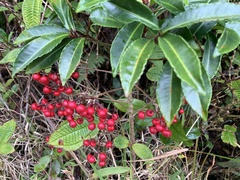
(178, 45)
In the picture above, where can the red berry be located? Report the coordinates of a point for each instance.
(75, 75)
(44, 80)
(102, 156)
(34, 106)
(110, 128)
(114, 116)
(91, 126)
(72, 104)
(159, 127)
(69, 118)
(91, 158)
(47, 90)
(58, 105)
(69, 90)
(90, 119)
(47, 139)
(174, 121)
(59, 150)
(60, 113)
(36, 76)
(167, 133)
(110, 122)
(69, 111)
(102, 163)
(80, 108)
(102, 119)
(61, 88)
(108, 144)
(93, 143)
(102, 113)
(44, 101)
(80, 120)
(47, 113)
(181, 111)
(149, 113)
(155, 121)
(72, 124)
(86, 142)
(153, 130)
(141, 115)
(53, 77)
(50, 106)
(90, 110)
(56, 93)
(101, 126)
(65, 103)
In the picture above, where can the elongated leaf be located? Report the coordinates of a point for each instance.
(235, 85)
(42, 164)
(6, 148)
(228, 41)
(62, 9)
(133, 61)
(11, 56)
(234, 26)
(72, 138)
(143, 152)
(178, 133)
(86, 4)
(2, 8)
(203, 13)
(125, 36)
(197, 101)
(100, 17)
(6, 131)
(36, 48)
(228, 135)
(123, 104)
(169, 93)
(129, 11)
(31, 12)
(202, 28)
(210, 63)
(47, 60)
(70, 57)
(37, 31)
(112, 170)
(183, 59)
(174, 6)
(121, 142)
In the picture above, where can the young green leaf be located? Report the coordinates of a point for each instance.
(40, 30)
(72, 137)
(203, 13)
(121, 142)
(111, 171)
(42, 164)
(129, 11)
(125, 36)
(100, 17)
(143, 152)
(70, 57)
(228, 41)
(63, 11)
(6, 148)
(169, 93)
(183, 59)
(175, 6)
(123, 104)
(2, 8)
(196, 100)
(11, 56)
(235, 85)
(133, 61)
(31, 12)
(6, 131)
(86, 4)
(210, 63)
(36, 48)
(228, 135)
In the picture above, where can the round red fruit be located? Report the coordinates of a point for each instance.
(153, 130)
(110, 122)
(80, 108)
(47, 139)
(167, 133)
(69, 90)
(44, 80)
(75, 75)
(47, 90)
(91, 126)
(60, 113)
(36, 76)
(101, 126)
(56, 93)
(156, 121)
(44, 101)
(34, 106)
(159, 127)
(90, 110)
(149, 113)
(53, 77)
(110, 128)
(102, 113)
(102, 156)
(108, 144)
(72, 104)
(115, 116)
(90, 158)
(141, 115)
(59, 150)
(80, 120)
(86, 142)
(72, 124)
(181, 111)
(102, 163)
(93, 143)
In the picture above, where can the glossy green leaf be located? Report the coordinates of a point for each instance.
(70, 57)
(169, 93)
(11, 56)
(143, 152)
(154, 73)
(196, 100)
(174, 6)
(61, 8)
(228, 41)
(203, 13)
(36, 48)
(133, 61)
(210, 63)
(6, 148)
(100, 17)
(47, 60)
(121, 142)
(72, 137)
(202, 28)
(178, 133)
(129, 11)
(42, 164)
(123, 104)
(40, 30)
(235, 85)
(31, 12)
(6, 131)
(228, 135)
(125, 36)
(111, 171)
(86, 4)
(234, 26)
(193, 133)
(183, 59)
(2, 8)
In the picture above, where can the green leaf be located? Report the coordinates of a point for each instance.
(36, 48)
(228, 135)
(234, 26)
(86, 4)
(143, 152)
(210, 63)
(196, 100)
(11, 56)
(169, 94)
(42, 164)
(203, 13)
(235, 85)
(154, 73)
(111, 171)
(6, 148)
(194, 133)
(174, 6)
(232, 163)
(61, 8)
(100, 17)
(6, 131)
(72, 137)
(47, 60)
(228, 41)
(2, 8)
(202, 28)
(125, 36)
(123, 104)
(31, 12)
(70, 57)
(178, 133)
(121, 142)
(129, 11)
(40, 30)
(3, 35)
(133, 61)
(183, 59)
